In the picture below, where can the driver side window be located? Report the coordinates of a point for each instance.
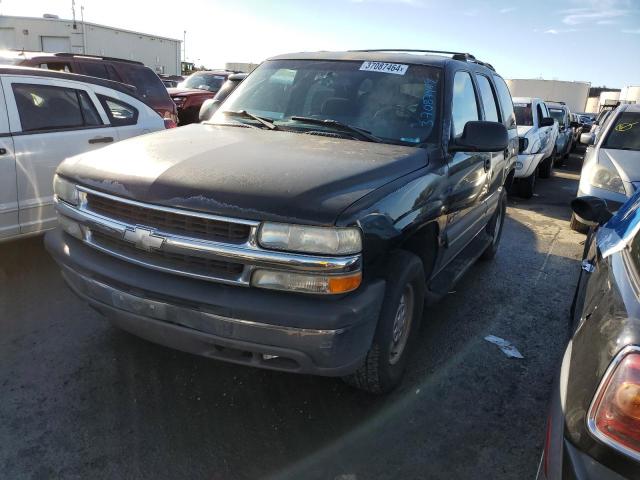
(464, 106)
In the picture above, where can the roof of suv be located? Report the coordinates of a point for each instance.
(40, 72)
(525, 99)
(556, 105)
(416, 57)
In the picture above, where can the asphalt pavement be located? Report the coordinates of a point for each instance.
(80, 399)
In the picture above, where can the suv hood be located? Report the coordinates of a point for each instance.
(245, 173)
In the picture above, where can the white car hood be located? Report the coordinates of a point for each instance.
(626, 162)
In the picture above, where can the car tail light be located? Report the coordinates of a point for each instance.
(614, 415)
(170, 120)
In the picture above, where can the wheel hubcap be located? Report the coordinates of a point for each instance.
(401, 325)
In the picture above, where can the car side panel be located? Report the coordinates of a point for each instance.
(39, 153)
(9, 219)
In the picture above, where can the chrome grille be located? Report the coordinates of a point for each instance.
(171, 261)
(169, 222)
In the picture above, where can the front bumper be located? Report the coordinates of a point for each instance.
(274, 330)
(527, 163)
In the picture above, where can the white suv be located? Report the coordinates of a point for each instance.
(45, 117)
(538, 133)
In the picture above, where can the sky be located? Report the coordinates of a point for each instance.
(584, 40)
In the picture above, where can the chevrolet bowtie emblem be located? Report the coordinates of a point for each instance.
(144, 239)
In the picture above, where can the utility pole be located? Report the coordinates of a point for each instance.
(84, 33)
(73, 12)
(184, 46)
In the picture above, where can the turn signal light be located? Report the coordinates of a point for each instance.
(344, 284)
(614, 415)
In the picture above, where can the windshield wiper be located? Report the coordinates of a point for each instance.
(366, 134)
(243, 113)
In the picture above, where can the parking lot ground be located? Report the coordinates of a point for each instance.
(80, 399)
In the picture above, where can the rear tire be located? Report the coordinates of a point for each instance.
(398, 325)
(527, 185)
(577, 225)
(495, 227)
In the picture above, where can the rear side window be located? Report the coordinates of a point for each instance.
(45, 107)
(148, 84)
(464, 107)
(488, 99)
(120, 113)
(57, 66)
(506, 103)
(95, 69)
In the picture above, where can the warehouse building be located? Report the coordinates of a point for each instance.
(52, 34)
(574, 94)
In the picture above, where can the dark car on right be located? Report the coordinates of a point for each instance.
(593, 428)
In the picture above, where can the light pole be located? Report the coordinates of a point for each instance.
(184, 46)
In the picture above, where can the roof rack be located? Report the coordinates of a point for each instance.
(461, 56)
(98, 57)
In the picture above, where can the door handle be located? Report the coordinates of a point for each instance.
(101, 140)
(487, 165)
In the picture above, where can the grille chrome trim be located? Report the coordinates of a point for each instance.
(249, 254)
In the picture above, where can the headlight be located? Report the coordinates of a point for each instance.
(65, 190)
(305, 283)
(319, 240)
(602, 177)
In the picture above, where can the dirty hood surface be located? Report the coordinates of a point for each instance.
(244, 172)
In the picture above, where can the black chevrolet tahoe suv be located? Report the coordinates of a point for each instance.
(304, 227)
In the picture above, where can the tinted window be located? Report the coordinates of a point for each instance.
(95, 69)
(625, 133)
(148, 84)
(557, 114)
(540, 113)
(57, 66)
(203, 81)
(524, 114)
(488, 99)
(44, 107)
(464, 107)
(506, 103)
(395, 102)
(120, 113)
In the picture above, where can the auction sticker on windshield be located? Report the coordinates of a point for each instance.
(395, 68)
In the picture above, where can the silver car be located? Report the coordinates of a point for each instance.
(611, 168)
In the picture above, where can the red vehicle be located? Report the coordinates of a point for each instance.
(148, 85)
(190, 94)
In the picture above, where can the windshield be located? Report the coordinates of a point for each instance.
(396, 103)
(524, 116)
(203, 81)
(557, 114)
(625, 133)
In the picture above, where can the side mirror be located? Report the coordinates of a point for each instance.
(207, 109)
(591, 210)
(481, 136)
(587, 138)
(546, 122)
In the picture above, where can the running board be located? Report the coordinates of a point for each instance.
(445, 280)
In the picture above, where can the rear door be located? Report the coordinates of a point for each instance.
(544, 133)
(50, 120)
(9, 221)
(467, 172)
(491, 112)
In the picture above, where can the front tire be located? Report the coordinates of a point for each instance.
(398, 325)
(577, 226)
(495, 226)
(526, 185)
(546, 166)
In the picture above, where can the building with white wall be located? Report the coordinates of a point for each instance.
(574, 94)
(161, 54)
